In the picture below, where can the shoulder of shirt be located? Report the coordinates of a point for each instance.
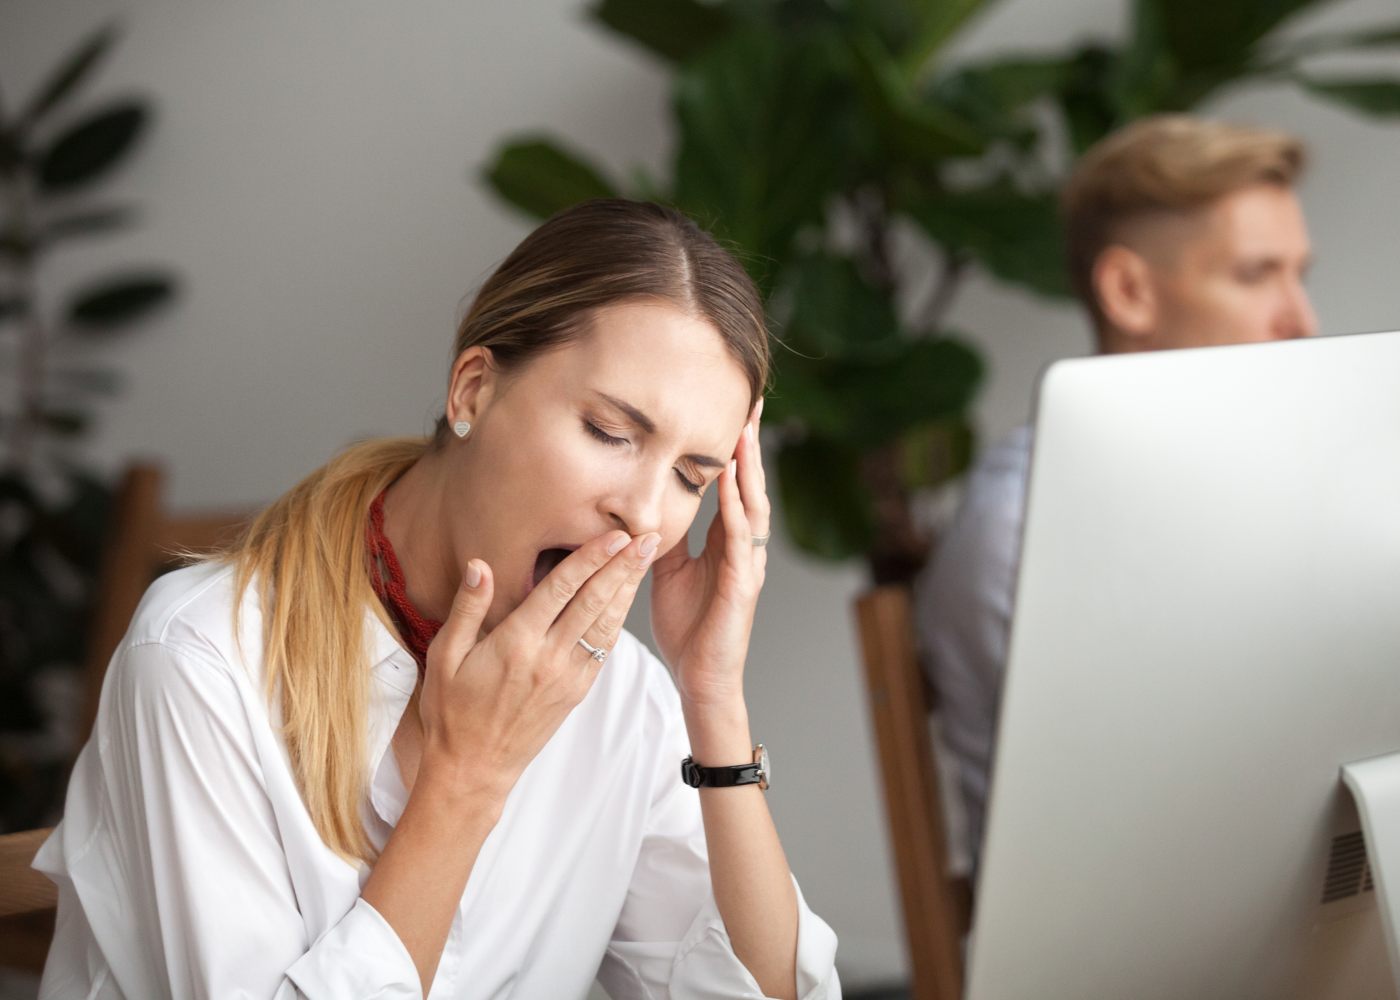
(189, 608)
(1008, 458)
(983, 540)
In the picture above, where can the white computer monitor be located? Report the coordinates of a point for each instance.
(1206, 631)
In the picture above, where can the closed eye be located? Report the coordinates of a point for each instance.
(602, 435)
(691, 487)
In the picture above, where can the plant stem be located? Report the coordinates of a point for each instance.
(31, 329)
(875, 224)
(900, 547)
(940, 300)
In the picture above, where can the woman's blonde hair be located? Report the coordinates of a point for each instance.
(1163, 163)
(307, 554)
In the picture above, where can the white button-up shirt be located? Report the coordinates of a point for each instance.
(188, 866)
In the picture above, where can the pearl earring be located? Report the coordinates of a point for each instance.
(462, 428)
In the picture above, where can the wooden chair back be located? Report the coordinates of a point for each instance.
(27, 901)
(936, 906)
(145, 540)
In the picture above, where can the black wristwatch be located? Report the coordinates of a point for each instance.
(755, 773)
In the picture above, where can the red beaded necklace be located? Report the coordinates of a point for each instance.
(415, 630)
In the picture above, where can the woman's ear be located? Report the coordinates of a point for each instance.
(474, 382)
(1127, 299)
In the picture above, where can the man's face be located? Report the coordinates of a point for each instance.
(1235, 275)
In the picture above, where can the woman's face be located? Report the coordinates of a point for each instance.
(625, 427)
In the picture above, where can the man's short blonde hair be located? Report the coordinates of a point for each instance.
(1171, 164)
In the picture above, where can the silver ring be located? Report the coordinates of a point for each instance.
(761, 540)
(598, 654)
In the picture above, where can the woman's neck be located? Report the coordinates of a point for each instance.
(414, 523)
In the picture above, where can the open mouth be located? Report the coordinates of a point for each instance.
(547, 560)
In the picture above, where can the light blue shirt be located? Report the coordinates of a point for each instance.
(963, 615)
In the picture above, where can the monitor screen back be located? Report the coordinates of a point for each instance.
(1206, 627)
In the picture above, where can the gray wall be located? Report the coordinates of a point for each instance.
(310, 176)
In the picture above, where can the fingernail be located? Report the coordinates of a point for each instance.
(733, 466)
(473, 575)
(748, 430)
(649, 544)
(618, 544)
(759, 414)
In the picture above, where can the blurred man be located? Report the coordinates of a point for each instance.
(1181, 233)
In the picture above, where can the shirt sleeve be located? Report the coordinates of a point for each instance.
(670, 940)
(963, 608)
(170, 848)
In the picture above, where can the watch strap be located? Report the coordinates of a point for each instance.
(697, 776)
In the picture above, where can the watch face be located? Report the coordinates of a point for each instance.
(765, 769)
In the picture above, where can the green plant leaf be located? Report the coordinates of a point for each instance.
(90, 148)
(908, 126)
(17, 246)
(761, 143)
(65, 80)
(825, 505)
(862, 403)
(1015, 236)
(930, 380)
(66, 423)
(1370, 38)
(836, 314)
(1095, 98)
(11, 306)
(936, 452)
(540, 177)
(941, 20)
(16, 489)
(1378, 98)
(120, 301)
(89, 223)
(675, 30)
(895, 23)
(11, 153)
(800, 398)
(1183, 50)
(990, 94)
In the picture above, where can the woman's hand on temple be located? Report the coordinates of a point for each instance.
(703, 607)
(490, 703)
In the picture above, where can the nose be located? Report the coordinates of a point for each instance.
(635, 503)
(1296, 317)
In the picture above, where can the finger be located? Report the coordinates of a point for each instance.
(673, 558)
(751, 485)
(596, 599)
(544, 604)
(463, 625)
(608, 626)
(738, 536)
(758, 440)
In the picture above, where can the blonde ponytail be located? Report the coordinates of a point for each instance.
(307, 556)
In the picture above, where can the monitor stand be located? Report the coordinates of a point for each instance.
(1376, 785)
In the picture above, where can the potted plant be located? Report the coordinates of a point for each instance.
(53, 510)
(821, 137)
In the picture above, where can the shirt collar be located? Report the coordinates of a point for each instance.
(392, 664)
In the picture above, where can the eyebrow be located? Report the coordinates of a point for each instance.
(649, 426)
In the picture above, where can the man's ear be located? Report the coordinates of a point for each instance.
(474, 382)
(1127, 297)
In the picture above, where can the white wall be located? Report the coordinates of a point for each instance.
(311, 176)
